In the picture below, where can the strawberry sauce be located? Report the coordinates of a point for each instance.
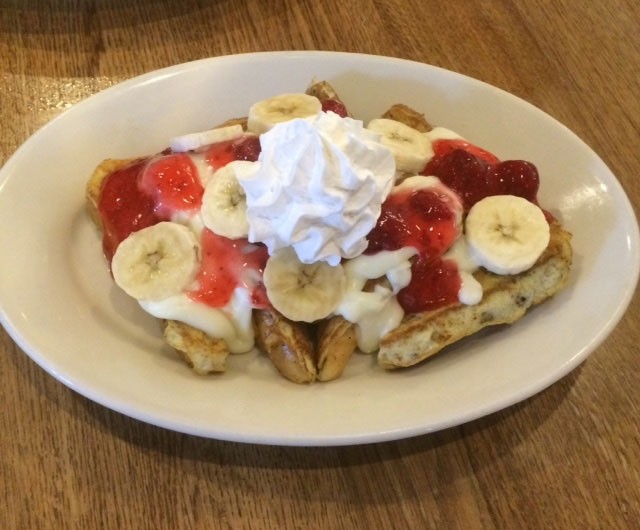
(220, 154)
(425, 219)
(475, 174)
(333, 105)
(227, 264)
(434, 283)
(124, 208)
(422, 218)
(173, 182)
(445, 146)
(154, 189)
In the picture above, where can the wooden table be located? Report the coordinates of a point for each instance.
(566, 458)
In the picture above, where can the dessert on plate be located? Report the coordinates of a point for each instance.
(310, 235)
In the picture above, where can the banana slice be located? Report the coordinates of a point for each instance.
(156, 262)
(224, 203)
(411, 148)
(506, 234)
(300, 291)
(266, 113)
(192, 141)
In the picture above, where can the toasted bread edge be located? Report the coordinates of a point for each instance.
(506, 299)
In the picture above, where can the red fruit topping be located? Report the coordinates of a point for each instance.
(244, 148)
(227, 264)
(515, 177)
(248, 149)
(173, 182)
(434, 283)
(473, 178)
(422, 218)
(463, 172)
(220, 154)
(442, 147)
(473, 174)
(124, 208)
(259, 297)
(332, 105)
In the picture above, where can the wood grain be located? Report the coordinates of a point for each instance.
(566, 458)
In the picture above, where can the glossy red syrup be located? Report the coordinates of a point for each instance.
(473, 177)
(473, 173)
(243, 148)
(172, 181)
(424, 219)
(124, 208)
(420, 218)
(434, 283)
(443, 147)
(227, 264)
(150, 190)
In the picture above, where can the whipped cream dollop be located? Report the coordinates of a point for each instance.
(318, 187)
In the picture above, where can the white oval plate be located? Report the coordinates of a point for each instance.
(60, 306)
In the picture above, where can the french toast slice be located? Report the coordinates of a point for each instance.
(204, 354)
(288, 344)
(505, 300)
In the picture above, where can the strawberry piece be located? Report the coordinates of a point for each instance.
(473, 178)
(443, 147)
(227, 264)
(434, 283)
(422, 218)
(123, 207)
(515, 177)
(333, 105)
(463, 172)
(172, 181)
(220, 154)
